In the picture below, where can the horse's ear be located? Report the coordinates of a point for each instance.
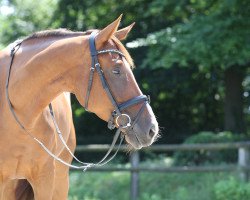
(105, 34)
(122, 33)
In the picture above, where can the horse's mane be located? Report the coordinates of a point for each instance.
(56, 33)
(68, 33)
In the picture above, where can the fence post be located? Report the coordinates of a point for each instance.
(134, 185)
(243, 161)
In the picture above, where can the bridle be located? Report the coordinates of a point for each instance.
(118, 108)
(116, 119)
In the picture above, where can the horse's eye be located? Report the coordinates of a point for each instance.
(116, 71)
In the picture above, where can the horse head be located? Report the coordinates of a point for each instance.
(112, 92)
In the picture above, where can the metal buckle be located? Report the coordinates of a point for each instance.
(123, 126)
(97, 64)
(148, 99)
(111, 124)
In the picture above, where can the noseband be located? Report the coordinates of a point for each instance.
(116, 119)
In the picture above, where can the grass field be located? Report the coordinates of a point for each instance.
(158, 186)
(153, 186)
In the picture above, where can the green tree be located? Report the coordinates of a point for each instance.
(176, 109)
(161, 28)
(20, 18)
(214, 38)
(179, 113)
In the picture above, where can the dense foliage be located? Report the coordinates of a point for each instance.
(215, 39)
(184, 51)
(22, 17)
(209, 157)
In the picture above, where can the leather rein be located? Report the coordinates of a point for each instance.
(118, 119)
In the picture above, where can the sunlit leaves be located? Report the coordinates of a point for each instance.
(217, 37)
(27, 17)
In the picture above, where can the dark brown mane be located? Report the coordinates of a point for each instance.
(56, 33)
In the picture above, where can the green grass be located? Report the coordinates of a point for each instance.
(153, 186)
(158, 186)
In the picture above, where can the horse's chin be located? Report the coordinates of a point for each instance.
(134, 142)
(133, 146)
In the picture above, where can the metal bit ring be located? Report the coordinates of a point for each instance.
(123, 126)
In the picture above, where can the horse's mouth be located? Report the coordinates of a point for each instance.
(135, 142)
(138, 137)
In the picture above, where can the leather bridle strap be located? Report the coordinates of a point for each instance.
(12, 54)
(95, 65)
(133, 101)
(86, 165)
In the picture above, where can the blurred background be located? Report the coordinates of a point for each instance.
(192, 57)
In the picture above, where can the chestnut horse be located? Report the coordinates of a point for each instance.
(48, 66)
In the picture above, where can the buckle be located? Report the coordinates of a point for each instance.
(111, 124)
(148, 99)
(12, 52)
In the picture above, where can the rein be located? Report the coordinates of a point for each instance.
(117, 118)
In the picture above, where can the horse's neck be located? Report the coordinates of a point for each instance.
(44, 76)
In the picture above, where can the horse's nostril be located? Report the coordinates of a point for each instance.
(152, 132)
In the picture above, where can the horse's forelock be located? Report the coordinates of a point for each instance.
(124, 51)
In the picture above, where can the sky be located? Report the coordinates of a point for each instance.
(5, 9)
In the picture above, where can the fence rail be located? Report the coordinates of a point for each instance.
(242, 167)
(184, 169)
(167, 147)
